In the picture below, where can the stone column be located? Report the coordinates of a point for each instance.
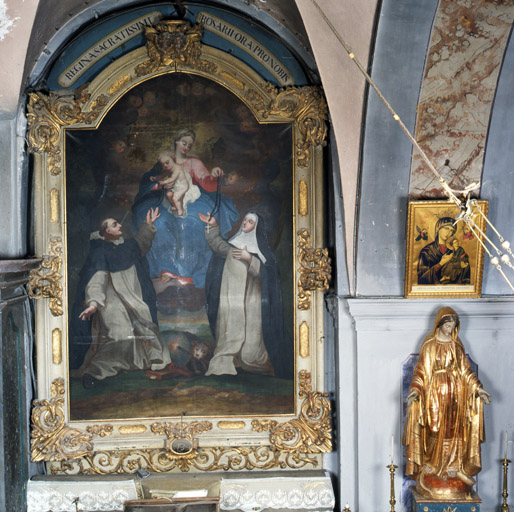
(16, 382)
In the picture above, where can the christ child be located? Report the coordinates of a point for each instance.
(173, 179)
(452, 271)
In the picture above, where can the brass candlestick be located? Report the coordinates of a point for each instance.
(347, 508)
(392, 469)
(505, 462)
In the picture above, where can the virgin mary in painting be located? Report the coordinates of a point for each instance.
(179, 251)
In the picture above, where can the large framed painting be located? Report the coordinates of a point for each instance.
(178, 213)
(444, 255)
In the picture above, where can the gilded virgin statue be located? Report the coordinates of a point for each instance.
(444, 424)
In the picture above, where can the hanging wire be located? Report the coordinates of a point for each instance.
(468, 206)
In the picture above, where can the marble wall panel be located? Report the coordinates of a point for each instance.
(465, 56)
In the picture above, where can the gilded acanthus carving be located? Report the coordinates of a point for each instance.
(44, 282)
(310, 432)
(51, 438)
(315, 270)
(174, 43)
(294, 444)
(100, 430)
(207, 459)
(47, 114)
(305, 105)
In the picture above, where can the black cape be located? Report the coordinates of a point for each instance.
(108, 257)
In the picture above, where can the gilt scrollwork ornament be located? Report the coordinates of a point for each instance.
(308, 108)
(44, 282)
(315, 270)
(174, 43)
(307, 434)
(293, 445)
(207, 459)
(51, 438)
(47, 114)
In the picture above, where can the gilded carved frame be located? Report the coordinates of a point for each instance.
(214, 443)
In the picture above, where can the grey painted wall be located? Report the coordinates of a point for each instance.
(15, 189)
(498, 173)
(404, 31)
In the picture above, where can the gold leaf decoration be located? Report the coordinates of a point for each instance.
(231, 425)
(100, 430)
(119, 84)
(232, 79)
(207, 459)
(51, 438)
(310, 432)
(305, 105)
(303, 198)
(174, 43)
(57, 388)
(47, 114)
(57, 346)
(304, 339)
(132, 429)
(315, 270)
(55, 208)
(54, 161)
(44, 282)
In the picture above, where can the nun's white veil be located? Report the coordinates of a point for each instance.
(248, 240)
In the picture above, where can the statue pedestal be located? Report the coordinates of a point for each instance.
(422, 504)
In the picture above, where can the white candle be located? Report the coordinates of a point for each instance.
(506, 441)
(392, 449)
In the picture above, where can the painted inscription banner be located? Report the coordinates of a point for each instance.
(248, 44)
(103, 47)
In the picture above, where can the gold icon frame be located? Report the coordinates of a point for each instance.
(421, 225)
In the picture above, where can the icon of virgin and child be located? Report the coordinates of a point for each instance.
(181, 223)
(443, 261)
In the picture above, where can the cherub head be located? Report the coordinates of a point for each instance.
(232, 178)
(119, 145)
(149, 98)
